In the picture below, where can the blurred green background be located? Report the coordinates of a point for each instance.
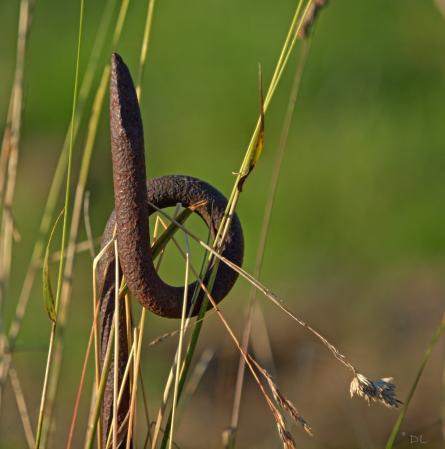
(356, 244)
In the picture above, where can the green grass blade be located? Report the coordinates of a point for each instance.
(48, 296)
(70, 156)
(396, 429)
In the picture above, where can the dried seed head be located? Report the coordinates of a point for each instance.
(381, 390)
(283, 402)
(286, 437)
(310, 17)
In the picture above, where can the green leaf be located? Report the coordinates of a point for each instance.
(48, 296)
(259, 142)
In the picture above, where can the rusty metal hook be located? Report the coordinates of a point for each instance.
(133, 195)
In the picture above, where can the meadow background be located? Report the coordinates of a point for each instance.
(357, 241)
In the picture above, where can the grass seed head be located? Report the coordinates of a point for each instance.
(381, 390)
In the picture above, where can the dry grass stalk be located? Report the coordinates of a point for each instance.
(82, 380)
(285, 435)
(267, 292)
(181, 337)
(116, 348)
(136, 361)
(21, 405)
(87, 223)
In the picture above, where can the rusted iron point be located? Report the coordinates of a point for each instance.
(133, 195)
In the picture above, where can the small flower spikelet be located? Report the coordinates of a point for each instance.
(286, 437)
(283, 402)
(381, 390)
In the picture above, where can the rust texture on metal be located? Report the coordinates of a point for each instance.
(133, 195)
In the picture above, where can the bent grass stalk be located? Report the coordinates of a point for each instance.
(265, 291)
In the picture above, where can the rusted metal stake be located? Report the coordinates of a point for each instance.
(132, 194)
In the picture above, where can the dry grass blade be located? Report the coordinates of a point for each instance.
(268, 293)
(181, 340)
(136, 362)
(94, 418)
(81, 382)
(130, 365)
(96, 306)
(248, 359)
(116, 347)
(87, 222)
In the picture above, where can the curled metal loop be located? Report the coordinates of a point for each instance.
(133, 195)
